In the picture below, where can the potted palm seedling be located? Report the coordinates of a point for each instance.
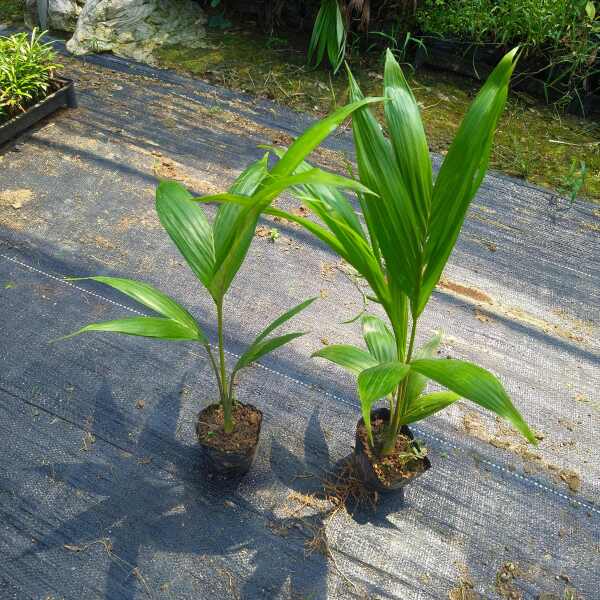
(410, 227)
(228, 431)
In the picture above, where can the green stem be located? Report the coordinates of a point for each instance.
(401, 400)
(215, 369)
(225, 397)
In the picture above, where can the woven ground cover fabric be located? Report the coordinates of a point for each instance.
(102, 490)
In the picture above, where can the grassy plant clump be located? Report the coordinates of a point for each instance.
(561, 38)
(27, 67)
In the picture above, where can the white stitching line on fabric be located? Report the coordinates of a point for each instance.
(441, 441)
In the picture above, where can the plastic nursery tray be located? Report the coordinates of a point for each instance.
(64, 96)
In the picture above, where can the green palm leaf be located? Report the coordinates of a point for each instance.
(153, 299)
(475, 384)
(425, 406)
(379, 339)
(151, 327)
(351, 358)
(189, 229)
(462, 171)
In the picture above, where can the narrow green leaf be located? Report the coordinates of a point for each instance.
(462, 171)
(153, 299)
(353, 359)
(379, 339)
(476, 384)
(279, 321)
(259, 349)
(425, 406)
(225, 225)
(152, 327)
(314, 135)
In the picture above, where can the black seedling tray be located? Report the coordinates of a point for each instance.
(64, 96)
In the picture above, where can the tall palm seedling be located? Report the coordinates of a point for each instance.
(411, 224)
(215, 252)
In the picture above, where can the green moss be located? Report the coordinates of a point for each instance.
(11, 11)
(533, 141)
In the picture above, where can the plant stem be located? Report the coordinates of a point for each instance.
(225, 397)
(401, 399)
(215, 369)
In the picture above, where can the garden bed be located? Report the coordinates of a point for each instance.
(103, 493)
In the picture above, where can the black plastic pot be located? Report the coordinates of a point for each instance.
(363, 464)
(64, 96)
(228, 463)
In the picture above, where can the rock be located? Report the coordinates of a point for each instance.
(63, 14)
(57, 15)
(136, 28)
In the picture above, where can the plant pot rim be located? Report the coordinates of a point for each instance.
(370, 477)
(230, 452)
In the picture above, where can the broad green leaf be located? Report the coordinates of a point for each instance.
(353, 359)
(476, 384)
(416, 383)
(152, 327)
(461, 173)
(258, 350)
(152, 298)
(379, 339)
(425, 406)
(379, 381)
(376, 383)
(407, 136)
(189, 229)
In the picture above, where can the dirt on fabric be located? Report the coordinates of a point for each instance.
(399, 465)
(247, 421)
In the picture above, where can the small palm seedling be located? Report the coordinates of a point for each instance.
(27, 66)
(228, 431)
(411, 224)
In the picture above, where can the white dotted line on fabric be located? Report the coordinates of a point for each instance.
(439, 440)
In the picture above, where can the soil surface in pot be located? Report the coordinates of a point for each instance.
(245, 432)
(394, 467)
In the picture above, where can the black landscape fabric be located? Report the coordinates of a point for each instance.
(102, 492)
